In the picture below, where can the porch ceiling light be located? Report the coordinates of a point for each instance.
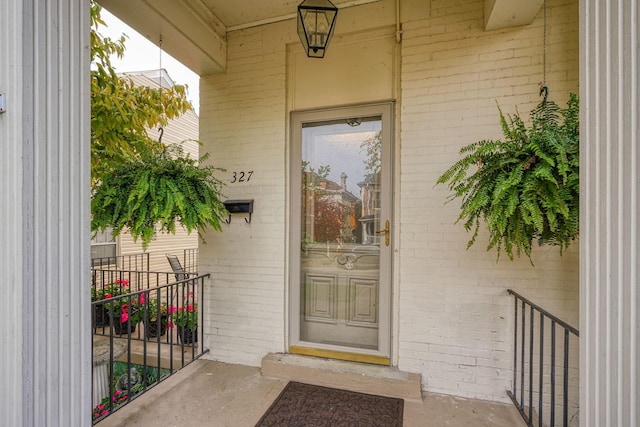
(316, 21)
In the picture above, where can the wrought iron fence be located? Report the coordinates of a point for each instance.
(127, 363)
(190, 260)
(545, 368)
(133, 262)
(123, 281)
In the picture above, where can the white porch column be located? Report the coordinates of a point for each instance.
(610, 213)
(45, 360)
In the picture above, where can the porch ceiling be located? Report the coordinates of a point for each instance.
(509, 13)
(194, 31)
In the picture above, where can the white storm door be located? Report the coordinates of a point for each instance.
(341, 232)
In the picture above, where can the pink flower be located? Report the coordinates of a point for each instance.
(189, 308)
(142, 299)
(108, 296)
(124, 317)
(105, 412)
(169, 324)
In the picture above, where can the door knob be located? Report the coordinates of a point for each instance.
(386, 232)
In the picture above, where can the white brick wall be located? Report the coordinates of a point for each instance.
(455, 318)
(455, 315)
(243, 117)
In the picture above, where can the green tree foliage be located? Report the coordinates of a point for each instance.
(121, 112)
(137, 182)
(525, 187)
(331, 217)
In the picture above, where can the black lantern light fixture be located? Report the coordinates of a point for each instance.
(316, 20)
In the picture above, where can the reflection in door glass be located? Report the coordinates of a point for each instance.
(340, 250)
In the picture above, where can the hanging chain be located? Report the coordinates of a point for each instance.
(160, 129)
(544, 89)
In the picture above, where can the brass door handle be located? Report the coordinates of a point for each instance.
(385, 231)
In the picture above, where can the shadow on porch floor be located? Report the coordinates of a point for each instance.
(216, 394)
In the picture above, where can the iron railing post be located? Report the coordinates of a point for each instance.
(520, 346)
(553, 374)
(565, 397)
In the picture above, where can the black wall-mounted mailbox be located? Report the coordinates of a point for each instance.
(239, 207)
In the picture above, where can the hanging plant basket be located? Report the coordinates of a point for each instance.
(154, 192)
(524, 188)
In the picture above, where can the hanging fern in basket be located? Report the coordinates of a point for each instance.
(526, 186)
(152, 192)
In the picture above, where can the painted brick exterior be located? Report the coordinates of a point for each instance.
(454, 316)
(243, 115)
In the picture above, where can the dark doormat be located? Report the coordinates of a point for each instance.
(305, 405)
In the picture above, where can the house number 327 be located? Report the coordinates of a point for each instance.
(241, 176)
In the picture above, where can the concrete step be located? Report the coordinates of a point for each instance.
(353, 376)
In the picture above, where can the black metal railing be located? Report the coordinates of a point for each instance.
(190, 260)
(132, 262)
(105, 279)
(126, 364)
(545, 379)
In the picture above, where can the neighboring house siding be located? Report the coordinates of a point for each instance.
(163, 244)
(184, 131)
(453, 318)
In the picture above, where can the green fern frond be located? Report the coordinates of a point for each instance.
(524, 187)
(153, 192)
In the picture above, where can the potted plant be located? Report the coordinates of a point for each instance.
(185, 318)
(121, 312)
(99, 314)
(156, 319)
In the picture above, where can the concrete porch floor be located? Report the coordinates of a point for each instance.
(213, 394)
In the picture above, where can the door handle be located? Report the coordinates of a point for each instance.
(385, 231)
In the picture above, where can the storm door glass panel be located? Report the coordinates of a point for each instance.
(340, 250)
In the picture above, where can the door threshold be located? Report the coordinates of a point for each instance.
(353, 376)
(340, 355)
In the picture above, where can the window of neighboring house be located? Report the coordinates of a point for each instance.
(103, 246)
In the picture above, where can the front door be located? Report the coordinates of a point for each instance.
(341, 233)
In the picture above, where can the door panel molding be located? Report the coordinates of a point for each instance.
(362, 302)
(321, 298)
